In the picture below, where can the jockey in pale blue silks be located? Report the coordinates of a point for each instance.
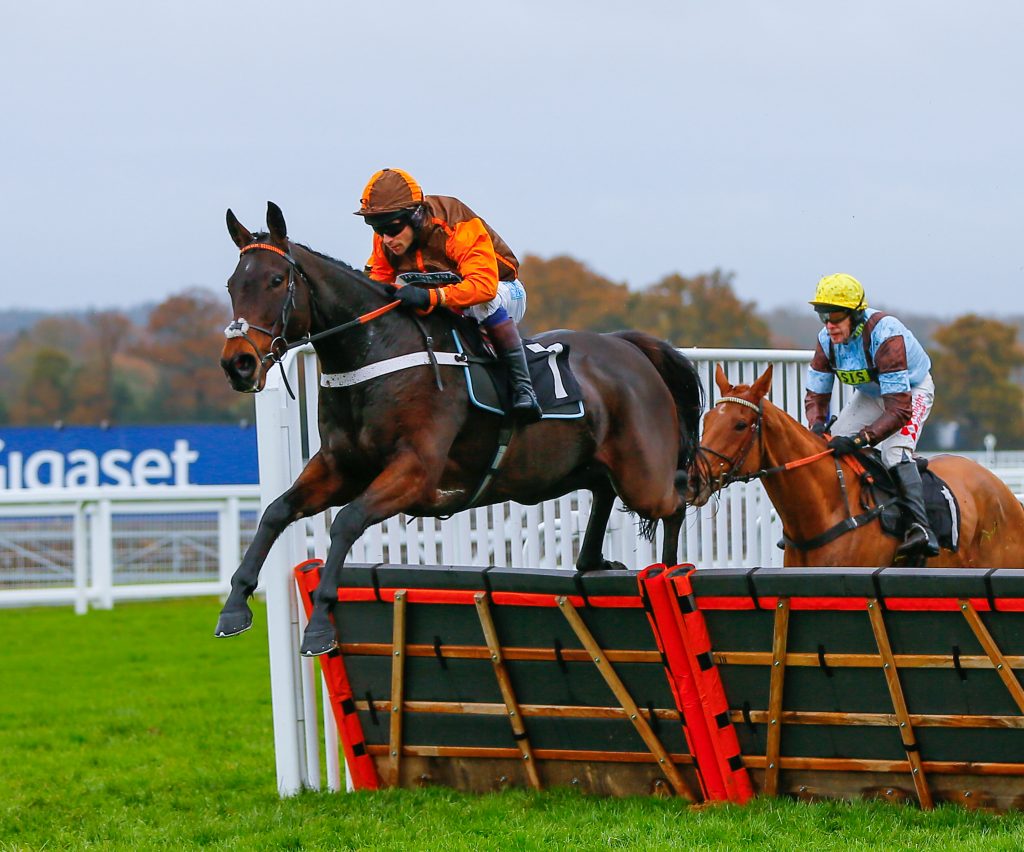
(881, 359)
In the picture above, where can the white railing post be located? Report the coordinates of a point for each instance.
(81, 559)
(279, 444)
(101, 549)
(229, 539)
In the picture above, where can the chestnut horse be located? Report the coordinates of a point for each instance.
(410, 441)
(746, 437)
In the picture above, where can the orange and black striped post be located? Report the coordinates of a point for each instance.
(361, 768)
(709, 684)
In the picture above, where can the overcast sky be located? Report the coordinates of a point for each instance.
(779, 141)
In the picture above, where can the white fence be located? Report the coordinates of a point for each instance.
(99, 545)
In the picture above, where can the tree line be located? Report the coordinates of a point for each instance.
(104, 367)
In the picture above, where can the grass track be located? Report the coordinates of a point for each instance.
(134, 729)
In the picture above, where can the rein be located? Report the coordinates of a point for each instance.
(279, 343)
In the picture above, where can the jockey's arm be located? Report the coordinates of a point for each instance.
(470, 247)
(820, 379)
(895, 416)
(894, 380)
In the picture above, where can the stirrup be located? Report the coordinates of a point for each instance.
(527, 407)
(919, 544)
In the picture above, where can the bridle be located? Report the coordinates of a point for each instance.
(756, 434)
(279, 343)
(737, 460)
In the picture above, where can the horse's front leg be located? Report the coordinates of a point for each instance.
(317, 487)
(399, 485)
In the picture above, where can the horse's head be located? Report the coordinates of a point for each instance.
(732, 430)
(270, 301)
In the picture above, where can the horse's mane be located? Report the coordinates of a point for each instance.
(263, 236)
(348, 269)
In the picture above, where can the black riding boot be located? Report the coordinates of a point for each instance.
(509, 345)
(919, 538)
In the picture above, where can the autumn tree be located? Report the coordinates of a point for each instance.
(564, 293)
(972, 366)
(699, 311)
(183, 339)
(94, 395)
(44, 396)
(38, 370)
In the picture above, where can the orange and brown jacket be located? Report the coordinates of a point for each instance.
(453, 239)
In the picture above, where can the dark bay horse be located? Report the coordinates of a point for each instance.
(399, 443)
(745, 435)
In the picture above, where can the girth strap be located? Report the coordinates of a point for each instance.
(392, 365)
(843, 527)
(504, 439)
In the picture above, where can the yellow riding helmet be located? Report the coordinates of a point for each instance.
(839, 291)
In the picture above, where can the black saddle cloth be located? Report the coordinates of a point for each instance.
(557, 389)
(939, 501)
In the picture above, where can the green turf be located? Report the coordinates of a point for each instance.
(134, 729)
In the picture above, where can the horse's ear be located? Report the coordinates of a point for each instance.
(275, 222)
(723, 383)
(239, 234)
(763, 384)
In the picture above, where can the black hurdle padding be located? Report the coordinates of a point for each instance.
(922, 616)
(520, 624)
(1008, 583)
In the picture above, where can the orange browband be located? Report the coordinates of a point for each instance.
(266, 246)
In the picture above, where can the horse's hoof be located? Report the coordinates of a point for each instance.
(603, 565)
(232, 622)
(316, 643)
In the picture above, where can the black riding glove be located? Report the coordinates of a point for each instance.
(844, 445)
(412, 296)
(819, 428)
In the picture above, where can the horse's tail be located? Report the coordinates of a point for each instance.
(683, 380)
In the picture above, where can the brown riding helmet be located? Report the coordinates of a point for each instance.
(389, 191)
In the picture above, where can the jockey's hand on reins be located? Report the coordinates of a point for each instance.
(412, 297)
(843, 445)
(819, 428)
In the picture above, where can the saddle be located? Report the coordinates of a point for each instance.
(556, 387)
(940, 502)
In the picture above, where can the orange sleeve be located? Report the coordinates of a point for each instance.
(470, 246)
(377, 267)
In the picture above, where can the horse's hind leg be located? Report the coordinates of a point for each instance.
(315, 489)
(670, 530)
(591, 558)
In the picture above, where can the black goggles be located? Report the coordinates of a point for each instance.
(391, 228)
(834, 317)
